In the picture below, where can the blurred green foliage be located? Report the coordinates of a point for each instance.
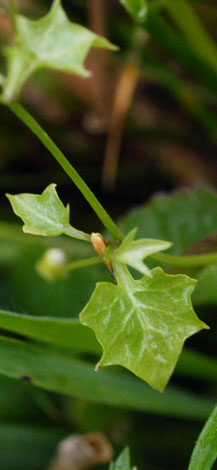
(171, 133)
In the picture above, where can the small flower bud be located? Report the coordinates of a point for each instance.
(98, 243)
(53, 265)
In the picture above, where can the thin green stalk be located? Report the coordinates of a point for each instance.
(83, 263)
(12, 15)
(122, 275)
(33, 125)
(186, 261)
(74, 233)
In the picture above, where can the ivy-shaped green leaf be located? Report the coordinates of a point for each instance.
(44, 214)
(52, 42)
(133, 252)
(142, 324)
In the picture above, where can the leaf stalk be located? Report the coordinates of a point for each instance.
(74, 233)
(186, 261)
(83, 263)
(35, 127)
(122, 275)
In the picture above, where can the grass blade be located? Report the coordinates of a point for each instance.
(63, 374)
(205, 450)
(63, 332)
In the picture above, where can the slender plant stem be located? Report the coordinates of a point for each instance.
(83, 263)
(12, 15)
(74, 233)
(33, 125)
(122, 275)
(186, 261)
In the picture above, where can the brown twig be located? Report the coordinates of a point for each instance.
(125, 89)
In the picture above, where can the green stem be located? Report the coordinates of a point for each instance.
(74, 233)
(12, 15)
(186, 261)
(33, 125)
(83, 263)
(122, 275)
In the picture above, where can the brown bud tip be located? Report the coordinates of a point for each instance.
(98, 243)
(79, 452)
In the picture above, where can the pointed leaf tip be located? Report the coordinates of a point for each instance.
(133, 252)
(122, 462)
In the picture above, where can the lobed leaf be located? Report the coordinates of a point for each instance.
(44, 214)
(142, 325)
(52, 42)
(133, 252)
